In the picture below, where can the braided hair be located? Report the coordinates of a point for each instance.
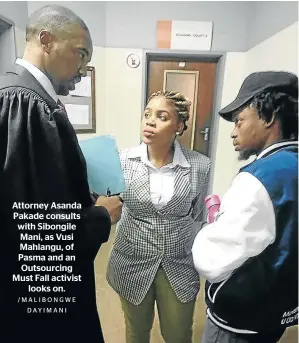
(181, 104)
(285, 108)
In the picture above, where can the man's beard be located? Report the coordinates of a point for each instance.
(246, 153)
(60, 88)
(63, 89)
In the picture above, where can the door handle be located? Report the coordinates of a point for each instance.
(205, 132)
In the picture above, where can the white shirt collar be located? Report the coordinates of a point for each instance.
(178, 157)
(276, 146)
(40, 77)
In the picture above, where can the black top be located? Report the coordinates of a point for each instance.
(41, 162)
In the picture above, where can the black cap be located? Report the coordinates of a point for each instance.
(259, 82)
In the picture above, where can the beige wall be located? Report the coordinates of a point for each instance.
(279, 52)
(20, 41)
(123, 97)
(225, 157)
(118, 95)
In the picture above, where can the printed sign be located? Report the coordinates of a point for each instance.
(185, 35)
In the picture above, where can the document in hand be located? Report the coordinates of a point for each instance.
(103, 165)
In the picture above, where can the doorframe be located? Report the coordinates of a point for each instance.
(9, 24)
(219, 58)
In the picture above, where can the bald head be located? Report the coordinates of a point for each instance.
(59, 44)
(55, 19)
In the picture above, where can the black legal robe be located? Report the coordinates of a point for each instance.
(41, 162)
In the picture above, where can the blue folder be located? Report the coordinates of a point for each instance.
(103, 165)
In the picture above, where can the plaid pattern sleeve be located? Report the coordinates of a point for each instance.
(148, 238)
(199, 206)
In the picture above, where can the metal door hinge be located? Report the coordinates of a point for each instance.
(205, 132)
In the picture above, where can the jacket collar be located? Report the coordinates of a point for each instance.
(28, 81)
(179, 158)
(39, 76)
(276, 147)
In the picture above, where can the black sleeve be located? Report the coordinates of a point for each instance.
(41, 162)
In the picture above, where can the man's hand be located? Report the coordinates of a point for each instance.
(113, 206)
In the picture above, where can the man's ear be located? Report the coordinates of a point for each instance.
(46, 40)
(271, 122)
(180, 127)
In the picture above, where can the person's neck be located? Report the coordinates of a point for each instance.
(34, 57)
(160, 155)
(272, 139)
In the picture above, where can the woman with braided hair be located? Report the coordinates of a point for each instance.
(151, 260)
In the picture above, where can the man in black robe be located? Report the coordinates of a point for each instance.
(40, 164)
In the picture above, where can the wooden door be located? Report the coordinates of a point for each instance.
(195, 80)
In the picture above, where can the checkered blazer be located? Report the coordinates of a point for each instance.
(147, 238)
